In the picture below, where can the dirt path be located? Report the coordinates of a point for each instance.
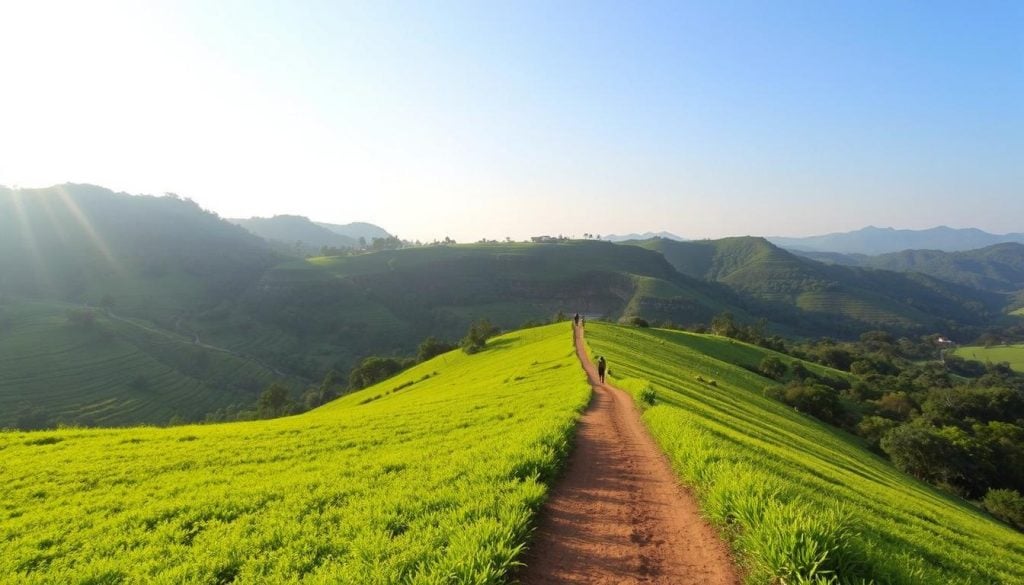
(618, 515)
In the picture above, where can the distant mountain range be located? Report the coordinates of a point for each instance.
(303, 235)
(643, 236)
(874, 240)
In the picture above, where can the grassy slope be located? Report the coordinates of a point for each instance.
(430, 477)
(784, 483)
(1012, 354)
(390, 300)
(114, 372)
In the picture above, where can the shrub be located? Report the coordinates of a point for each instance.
(1007, 505)
(432, 347)
(648, 395)
(373, 369)
(772, 367)
(477, 336)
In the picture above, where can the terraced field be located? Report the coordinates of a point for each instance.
(430, 477)
(112, 371)
(1011, 354)
(802, 501)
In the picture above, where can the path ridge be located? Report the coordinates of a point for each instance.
(617, 514)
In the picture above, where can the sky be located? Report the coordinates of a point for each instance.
(495, 119)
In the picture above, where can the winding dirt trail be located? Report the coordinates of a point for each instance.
(617, 515)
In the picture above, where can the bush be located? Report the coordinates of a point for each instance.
(639, 322)
(477, 336)
(432, 347)
(1007, 505)
(373, 369)
(648, 395)
(772, 367)
(817, 400)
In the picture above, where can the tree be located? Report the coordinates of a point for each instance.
(373, 369)
(477, 336)
(432, 347)
(723, 324)
(273, 401)
(772, 367)
(1007, 505)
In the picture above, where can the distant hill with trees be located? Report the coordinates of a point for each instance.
(998, 268)
(847, 297)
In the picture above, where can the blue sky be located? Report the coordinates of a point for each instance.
(486, 119)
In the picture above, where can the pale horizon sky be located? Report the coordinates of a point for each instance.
(472, 120)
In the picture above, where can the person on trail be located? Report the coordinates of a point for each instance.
(601, 367)
(583, 321)
(576, 319)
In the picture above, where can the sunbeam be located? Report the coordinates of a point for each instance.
(86, 225)
(28, 240)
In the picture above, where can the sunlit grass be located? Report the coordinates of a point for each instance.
(430, 477)
(1012, 354)
(799, 499)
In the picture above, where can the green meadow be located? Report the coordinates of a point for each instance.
(432, 476)
(112, 371)
(1011, 354)
(800, 501)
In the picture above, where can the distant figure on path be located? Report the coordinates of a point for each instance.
(576, 319)
(583, 321)
(601, 366)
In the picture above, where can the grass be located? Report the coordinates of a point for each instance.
(1012, 354)
(430, 477)
(799, 500)
(1019, 312)
(113, 372)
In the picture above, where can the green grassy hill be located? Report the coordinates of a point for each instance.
(113, 371)
(827, 296)
(430, 477)
(1011, 354)
(798, 498)
(332, 310)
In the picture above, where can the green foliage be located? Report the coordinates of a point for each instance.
(773, 367)
(432, 347)
(649, 396)
(274, 402)
(800, 501)
(1007, 505)
(817, 400)
(438, 482)
(477, 336)
(374, 369)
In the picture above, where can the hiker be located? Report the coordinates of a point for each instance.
(601, 366)
(583, 321)
(576, 319)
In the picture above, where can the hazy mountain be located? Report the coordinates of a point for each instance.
(857, 296)
(157, 256)
(873, 240)
(297, 231)
(356, 230)
(997, 268)
(643, 236)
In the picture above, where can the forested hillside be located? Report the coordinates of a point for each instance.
(831, 298)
